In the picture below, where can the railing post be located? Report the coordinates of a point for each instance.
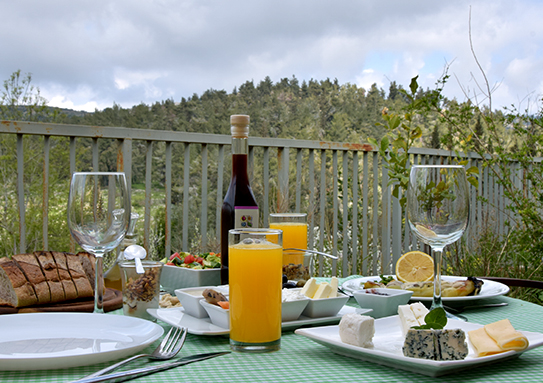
(283, 175)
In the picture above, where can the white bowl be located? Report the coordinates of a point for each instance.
(175, 277)
(382, 305)
(190, 300)
(325, 307)
(219, 316)
(292, 310)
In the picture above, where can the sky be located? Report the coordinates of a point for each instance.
(88, 55)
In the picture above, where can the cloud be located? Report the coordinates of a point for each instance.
(130, 52)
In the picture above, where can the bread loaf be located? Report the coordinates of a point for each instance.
(44, 277)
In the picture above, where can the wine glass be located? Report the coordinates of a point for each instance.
(98, 217)
(437, 210)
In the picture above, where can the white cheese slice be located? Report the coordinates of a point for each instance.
(407, 318)
(357, 330)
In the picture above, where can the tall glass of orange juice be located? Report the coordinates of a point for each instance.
(294, 227)
(255, 278)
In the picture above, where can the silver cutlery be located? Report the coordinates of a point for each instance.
(167, 349)
(463, 308)
(136, 373)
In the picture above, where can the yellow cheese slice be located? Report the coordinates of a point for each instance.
(505, 336)
(323, 291)
(482, 343)
(334, 285)
(310, 288)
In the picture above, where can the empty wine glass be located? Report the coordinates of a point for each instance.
(98, 217)
(437, 210)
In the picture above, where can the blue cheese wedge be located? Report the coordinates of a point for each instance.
(357, 330)
(436, 344)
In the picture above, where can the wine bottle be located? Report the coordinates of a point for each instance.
(239, 209)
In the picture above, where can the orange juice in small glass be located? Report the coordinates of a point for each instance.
(255, 278)
(294, 229)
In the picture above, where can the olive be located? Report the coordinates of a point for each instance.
(285, 279)
(289, 285)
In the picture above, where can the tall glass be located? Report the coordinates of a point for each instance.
(294, 227)
(438, 210)
(98, 217)
(255, 273)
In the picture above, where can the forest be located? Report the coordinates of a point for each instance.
(393, 120)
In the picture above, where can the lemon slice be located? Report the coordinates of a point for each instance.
(425, 232)
(415, 266)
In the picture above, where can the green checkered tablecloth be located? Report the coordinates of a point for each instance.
(302, 360)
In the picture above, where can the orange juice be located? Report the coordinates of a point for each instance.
(294, 236)
(255, 292)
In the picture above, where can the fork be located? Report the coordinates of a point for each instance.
(167, 349)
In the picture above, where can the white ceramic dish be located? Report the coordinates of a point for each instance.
(175, 277)
(218, 316)
(325, 307)
(177, 317)
(384, 302)
(190, 299)
(490, 289)
(388, 342)
(42, 341)
(221, 317)
(292, 310)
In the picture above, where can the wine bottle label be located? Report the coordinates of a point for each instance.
(246, 217)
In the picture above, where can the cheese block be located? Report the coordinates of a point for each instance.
(436, 344)
(357, 330)
(411, 315)
(505, 336)
(310, 288)
(323, 291)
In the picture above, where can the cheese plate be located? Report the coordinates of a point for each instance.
(388, 341)
(202, 326)
(490, 289)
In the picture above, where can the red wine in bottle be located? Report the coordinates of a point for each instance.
(239, 209)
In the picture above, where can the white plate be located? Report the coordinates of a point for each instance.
(387, 347)
(490, 288)
(42, 341)
(177, 317)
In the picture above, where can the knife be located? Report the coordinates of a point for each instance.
(136, 373)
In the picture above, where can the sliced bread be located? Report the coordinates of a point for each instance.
(31, 268)
(70, 291)
(81, 282)
(49, 268)
(15, 290)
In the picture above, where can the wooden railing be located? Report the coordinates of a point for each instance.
(342, 186)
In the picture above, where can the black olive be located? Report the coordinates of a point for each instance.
(289, 285)
(285, 279)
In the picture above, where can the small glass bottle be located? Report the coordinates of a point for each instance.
(112, 277)
(239, 209)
